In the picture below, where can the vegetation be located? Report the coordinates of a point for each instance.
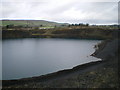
(64, 32)
(99, 75)
(32, 23)
(40, 28)
(80, 24)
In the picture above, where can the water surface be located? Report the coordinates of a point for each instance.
(35, 56)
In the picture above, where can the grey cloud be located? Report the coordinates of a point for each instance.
(93, 12)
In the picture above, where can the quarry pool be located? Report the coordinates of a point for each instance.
(22, 58)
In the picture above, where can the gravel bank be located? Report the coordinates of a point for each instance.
(101, 74)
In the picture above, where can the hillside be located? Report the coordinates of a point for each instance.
(31, 22)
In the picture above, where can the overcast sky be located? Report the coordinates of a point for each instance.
(67, 11)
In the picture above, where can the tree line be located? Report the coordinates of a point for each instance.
(80, 24)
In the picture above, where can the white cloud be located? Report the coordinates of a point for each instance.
(60, 0)
(71, 11)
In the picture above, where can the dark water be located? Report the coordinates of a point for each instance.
(33, 57)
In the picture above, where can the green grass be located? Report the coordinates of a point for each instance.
(4, 23)
(31, 23)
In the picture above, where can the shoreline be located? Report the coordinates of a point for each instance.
(100, 53)
(49, 76)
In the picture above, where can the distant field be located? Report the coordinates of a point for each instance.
(31, 22)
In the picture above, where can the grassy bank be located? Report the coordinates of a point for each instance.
(90, 33)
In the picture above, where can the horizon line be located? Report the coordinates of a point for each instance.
(61, 22)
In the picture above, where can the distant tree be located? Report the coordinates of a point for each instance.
(81, 24)
(41, 25)
(72, 24)
(10, 26)
(76, 24)
(87, 24)
(69, 25)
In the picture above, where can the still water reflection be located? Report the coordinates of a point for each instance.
(33, 57)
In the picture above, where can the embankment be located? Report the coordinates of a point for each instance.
(88, 33)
